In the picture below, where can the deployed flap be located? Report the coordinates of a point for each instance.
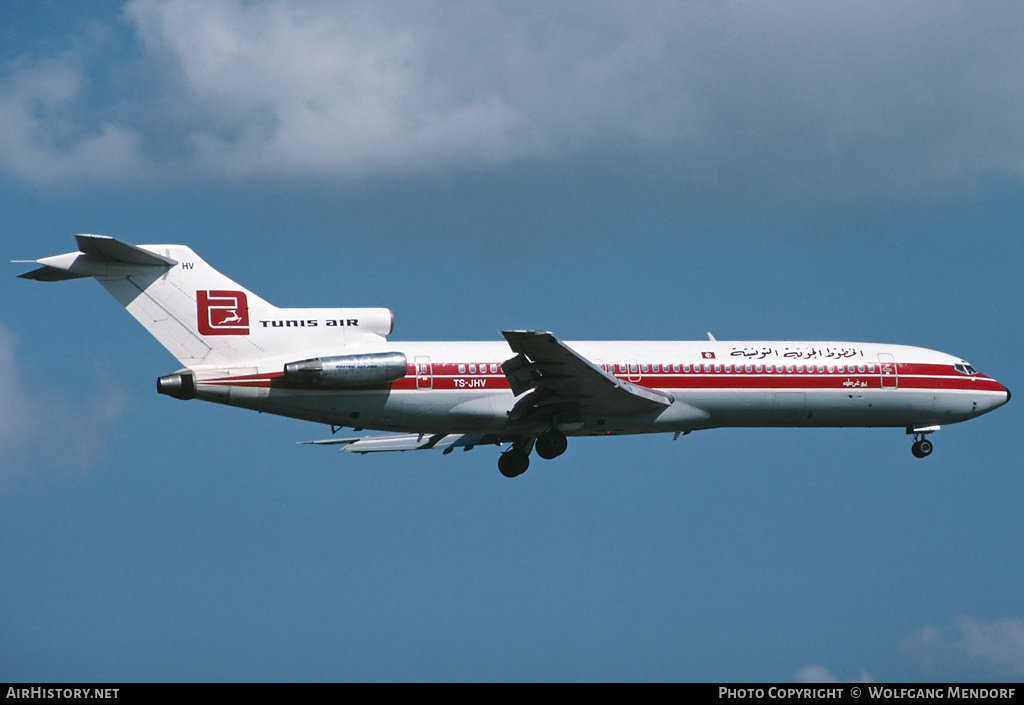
(406, 441)
(562, 377)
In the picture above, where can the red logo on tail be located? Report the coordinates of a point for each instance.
(222, 313)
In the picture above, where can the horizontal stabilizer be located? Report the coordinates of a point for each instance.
(407, 441)
(99, 256)
(112, 250)
(48, 274)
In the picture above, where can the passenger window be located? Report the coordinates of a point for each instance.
(462, 368)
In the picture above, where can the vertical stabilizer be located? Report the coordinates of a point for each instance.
(201, 316)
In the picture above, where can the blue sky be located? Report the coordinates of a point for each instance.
(600, 170)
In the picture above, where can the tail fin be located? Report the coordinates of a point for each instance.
(201, 316)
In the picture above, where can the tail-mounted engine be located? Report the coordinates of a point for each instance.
(180, 385)
(347, 371)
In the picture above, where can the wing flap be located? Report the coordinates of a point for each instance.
(563, 379)
(407, 441)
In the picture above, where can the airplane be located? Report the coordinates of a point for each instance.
(531, 392)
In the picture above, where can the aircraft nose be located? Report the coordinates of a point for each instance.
(999, 402)
(992, 395)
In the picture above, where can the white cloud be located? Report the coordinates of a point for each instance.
(840, 100)
(971, 646)
(820, 674)
(314, 88)
(39, 427)
(44, 140)
(815, 674)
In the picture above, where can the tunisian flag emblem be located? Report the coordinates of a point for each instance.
(708, 355)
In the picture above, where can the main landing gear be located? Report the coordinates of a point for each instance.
(551, 444)
(515, 461)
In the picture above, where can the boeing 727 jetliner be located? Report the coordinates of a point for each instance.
(335, 366)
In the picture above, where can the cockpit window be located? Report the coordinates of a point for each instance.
(965, 368)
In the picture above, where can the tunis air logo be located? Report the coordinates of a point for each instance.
(222, 313)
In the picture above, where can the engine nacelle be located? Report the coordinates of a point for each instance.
(180, 385)
(347, 371)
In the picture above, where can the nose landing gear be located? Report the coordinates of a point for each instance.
(922, 447)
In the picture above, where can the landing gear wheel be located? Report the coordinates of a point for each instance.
(551, 444)
(513, 463)
(921, 448)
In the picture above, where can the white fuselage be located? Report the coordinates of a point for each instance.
(459, 387)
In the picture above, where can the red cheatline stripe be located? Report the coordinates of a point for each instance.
(909, 376)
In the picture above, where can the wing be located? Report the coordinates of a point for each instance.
(408, 441)
(567, 385)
